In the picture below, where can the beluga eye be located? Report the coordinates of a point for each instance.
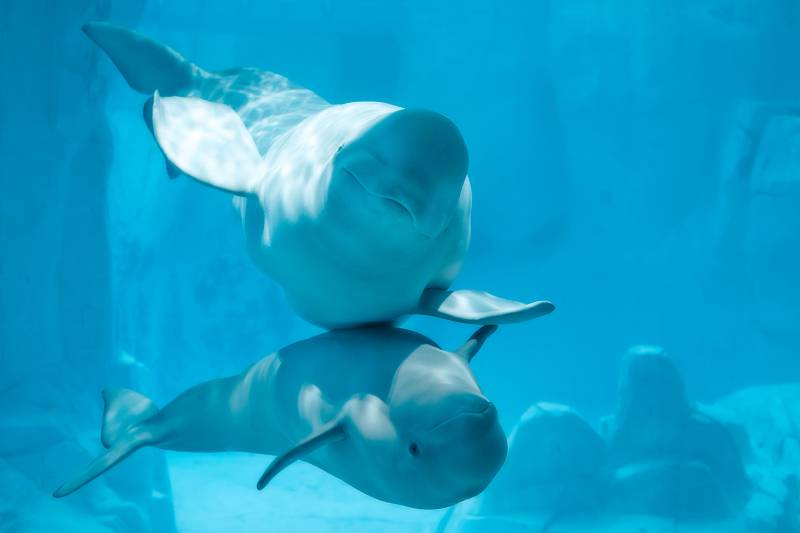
(340, 148)
(413, 449)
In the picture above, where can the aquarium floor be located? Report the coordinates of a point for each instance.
(216, 492)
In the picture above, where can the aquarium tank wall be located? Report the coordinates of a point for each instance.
(635, 163)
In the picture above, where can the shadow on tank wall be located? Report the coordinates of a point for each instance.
(661, 462)
(57, 345)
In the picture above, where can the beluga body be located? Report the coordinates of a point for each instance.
(360, 211)
(383, 409)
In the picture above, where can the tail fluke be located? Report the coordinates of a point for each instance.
(147, 114)
(207, 141)
(124, 409)
(123, 433)
(146, 65)
(114, 455)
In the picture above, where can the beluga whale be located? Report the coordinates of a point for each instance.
(360, 211)
(383, 409)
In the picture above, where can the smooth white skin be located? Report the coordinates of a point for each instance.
(364, 235)
(391, 387)
(346, 255)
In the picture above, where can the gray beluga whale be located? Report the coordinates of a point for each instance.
(383, 409)
(360, 211)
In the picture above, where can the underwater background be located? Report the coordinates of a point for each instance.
(637, 163)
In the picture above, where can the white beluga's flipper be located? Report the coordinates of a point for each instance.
(478, 307)
(208, 142)
(146, 65)
(122, 433)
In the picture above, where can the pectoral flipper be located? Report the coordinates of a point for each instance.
(478, 307)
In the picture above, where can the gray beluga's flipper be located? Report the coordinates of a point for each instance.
(478, 307)
(207, 141)
(146, 65)
(470, 349)
(330, 433)
(123, 433)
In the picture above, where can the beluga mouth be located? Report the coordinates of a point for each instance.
(414, 158)
(483, 413)
(396, 203)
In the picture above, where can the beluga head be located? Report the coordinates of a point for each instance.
(449, 437)
(415, 159)
(434, 441)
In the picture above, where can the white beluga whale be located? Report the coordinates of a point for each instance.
(383, 409)
(360, 211)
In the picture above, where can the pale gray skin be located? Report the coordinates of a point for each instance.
(383, 409)
(360, 211)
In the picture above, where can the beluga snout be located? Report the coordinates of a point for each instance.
(416, 158)
(480, 454)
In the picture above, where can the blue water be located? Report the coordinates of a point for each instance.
(637, 163)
